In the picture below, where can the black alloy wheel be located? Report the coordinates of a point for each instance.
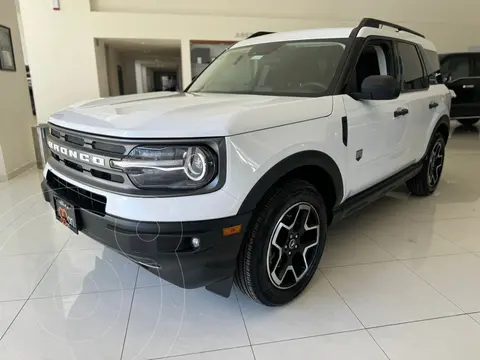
(293, 245)
(284, 243)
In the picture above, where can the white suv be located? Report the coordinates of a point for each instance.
(239, 177)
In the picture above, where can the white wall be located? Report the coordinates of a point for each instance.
(404, 10)
(68, 34)
(16, 119)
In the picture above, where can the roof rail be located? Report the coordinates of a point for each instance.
(259, 33)
(375, 23)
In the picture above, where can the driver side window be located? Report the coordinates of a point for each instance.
(377, 58)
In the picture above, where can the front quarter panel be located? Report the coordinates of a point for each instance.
(251, 155)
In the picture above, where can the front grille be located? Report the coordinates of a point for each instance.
(94, 146)
(82, 198)
(112, 148)
(74, 140)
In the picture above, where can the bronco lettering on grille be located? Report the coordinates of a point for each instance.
(87, 158)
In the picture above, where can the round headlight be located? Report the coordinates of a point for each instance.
(196, 164)
(169, 167)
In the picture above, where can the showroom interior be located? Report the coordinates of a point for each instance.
(399, 280)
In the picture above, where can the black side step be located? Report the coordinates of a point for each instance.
(369, 195)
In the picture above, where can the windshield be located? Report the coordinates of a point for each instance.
(294, 68)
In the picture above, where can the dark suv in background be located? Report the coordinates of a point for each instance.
(461, 73)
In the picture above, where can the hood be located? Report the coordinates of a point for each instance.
(188, 115)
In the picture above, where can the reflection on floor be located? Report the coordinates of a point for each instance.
(400, 280)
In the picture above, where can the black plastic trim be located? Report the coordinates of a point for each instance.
(282, 168)
(366, 197)
(165, 248)
(345, 130)
(376, 23)
(444, 120)
(260, 33)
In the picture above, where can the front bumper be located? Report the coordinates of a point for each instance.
(165, 248)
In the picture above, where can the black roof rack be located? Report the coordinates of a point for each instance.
(375, 23)
(259, 33)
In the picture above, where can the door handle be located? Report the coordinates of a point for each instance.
(400, 112)
(468, 86)
(433, 105)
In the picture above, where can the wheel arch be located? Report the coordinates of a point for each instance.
(314, 166)
(443, 127)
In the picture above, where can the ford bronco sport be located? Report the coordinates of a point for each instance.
(238, 177)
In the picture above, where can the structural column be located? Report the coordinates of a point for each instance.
(186, 62)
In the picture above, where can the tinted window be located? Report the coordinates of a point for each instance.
(411, 69)
(432, 65)
(294, 68)
(456, 67)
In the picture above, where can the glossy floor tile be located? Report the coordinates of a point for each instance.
(398, 281)
(87, 271)
(463, 232)
(8, 312)
(20, 274)
(320, 301)
(352, 249)
(86, 326)
(34, 232)
(476, 317)
(440, 339)
(167, 321)
(147, 279)
(244, 353)
(82, 242)
(356, 345)
(388, 293)
(457, 277)
(417, 240)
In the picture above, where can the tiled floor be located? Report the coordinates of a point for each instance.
(399, 281)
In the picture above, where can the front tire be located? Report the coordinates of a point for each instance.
(468, 122)
(284, 244)
(427, 180)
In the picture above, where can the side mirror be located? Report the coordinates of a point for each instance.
(378, 87)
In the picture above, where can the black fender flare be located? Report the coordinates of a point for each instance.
(444, 120)
(290, 163)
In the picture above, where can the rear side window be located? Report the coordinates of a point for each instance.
(432, 65)
(411, 69)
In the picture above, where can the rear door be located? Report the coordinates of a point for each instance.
(415, 93)
(461, 73)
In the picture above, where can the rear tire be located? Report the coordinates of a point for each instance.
(427, 180)
(468, 122)
(283, 245)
